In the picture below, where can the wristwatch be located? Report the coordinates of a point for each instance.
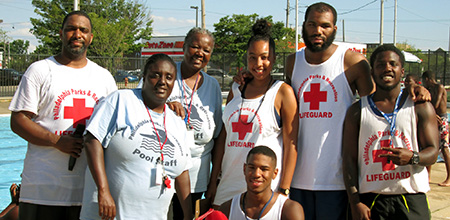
(284, 191)
(415, 158)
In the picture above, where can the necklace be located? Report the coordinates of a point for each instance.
(391, 120)
(262, 210)
(189, 107)
(259, 106)
(156, 131)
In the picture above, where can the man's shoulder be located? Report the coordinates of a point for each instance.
(291, 209)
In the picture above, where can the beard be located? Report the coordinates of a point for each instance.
(315, 47)
(76, 51)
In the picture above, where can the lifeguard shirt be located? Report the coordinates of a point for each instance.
(377, 175)
(323, 95)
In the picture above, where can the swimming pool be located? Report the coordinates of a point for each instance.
(12, 153)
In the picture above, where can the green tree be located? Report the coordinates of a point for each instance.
(117, 25)
(233, 32)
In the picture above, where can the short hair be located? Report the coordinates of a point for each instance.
(321, 7)
(414, 76)
(197, 30)
(155, 58)
(386, 47)
(80, 13)
(264, 150)
(262, 31)
(429, 74)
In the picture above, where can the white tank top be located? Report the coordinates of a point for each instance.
(274, 213)
(376, 174)
(241, 138)
(323, 94)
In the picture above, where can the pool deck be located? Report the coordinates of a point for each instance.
(439, 197)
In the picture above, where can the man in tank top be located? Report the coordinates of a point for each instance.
(259, 171)
(387, 142)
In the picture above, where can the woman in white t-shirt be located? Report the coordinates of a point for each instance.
(138, 151)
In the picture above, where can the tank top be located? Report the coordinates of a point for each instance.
(376, 174)
(274, 212)
(323, 95)
(242, 137)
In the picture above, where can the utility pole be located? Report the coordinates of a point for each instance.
(76, 5)
(203, 14)
(343, 30)
(395, 23)
(196, 15)
(381, 22)
(287, 14)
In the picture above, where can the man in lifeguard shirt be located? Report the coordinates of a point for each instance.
(387, 142)
(53, 97)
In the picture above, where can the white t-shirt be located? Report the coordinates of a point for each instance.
(131, 148)
(274, 213)
(61, 97)
(206, 118)
(242, 137)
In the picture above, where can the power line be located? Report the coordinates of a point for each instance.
(359, 8)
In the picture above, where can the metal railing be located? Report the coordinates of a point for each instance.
(222, 66)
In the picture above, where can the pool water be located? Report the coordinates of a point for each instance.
(12, 153)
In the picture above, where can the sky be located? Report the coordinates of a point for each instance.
(423, 24)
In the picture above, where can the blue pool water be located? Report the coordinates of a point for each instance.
(12, 153)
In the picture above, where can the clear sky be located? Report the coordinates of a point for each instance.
(423, 24)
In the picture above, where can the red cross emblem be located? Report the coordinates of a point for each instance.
(79, 112)
(315, 96)
(242, 128)
(383, 160)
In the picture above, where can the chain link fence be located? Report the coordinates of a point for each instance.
(222, 66)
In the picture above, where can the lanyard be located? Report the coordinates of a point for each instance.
(157, 135)
(262, 210)
(188, 107)
(390, 120)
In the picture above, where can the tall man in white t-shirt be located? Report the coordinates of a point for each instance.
(387, 142)
(54, 96)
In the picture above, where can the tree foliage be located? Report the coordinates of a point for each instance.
(233, 32)
(117, 25)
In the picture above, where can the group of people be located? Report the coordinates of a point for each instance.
(152, 146)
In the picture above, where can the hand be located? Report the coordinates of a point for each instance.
(439, 119)
(242, 76)
(106, 205)
(360, 212)
(419, 93)
(70, 145)
(399, 156)
(177, 108)
(211, 192)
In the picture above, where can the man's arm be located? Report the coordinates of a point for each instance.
(289, 67)
(350, 161)
(357, 71)
(427, 133)
(23, 125)
(183, 189)
(292, 210)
